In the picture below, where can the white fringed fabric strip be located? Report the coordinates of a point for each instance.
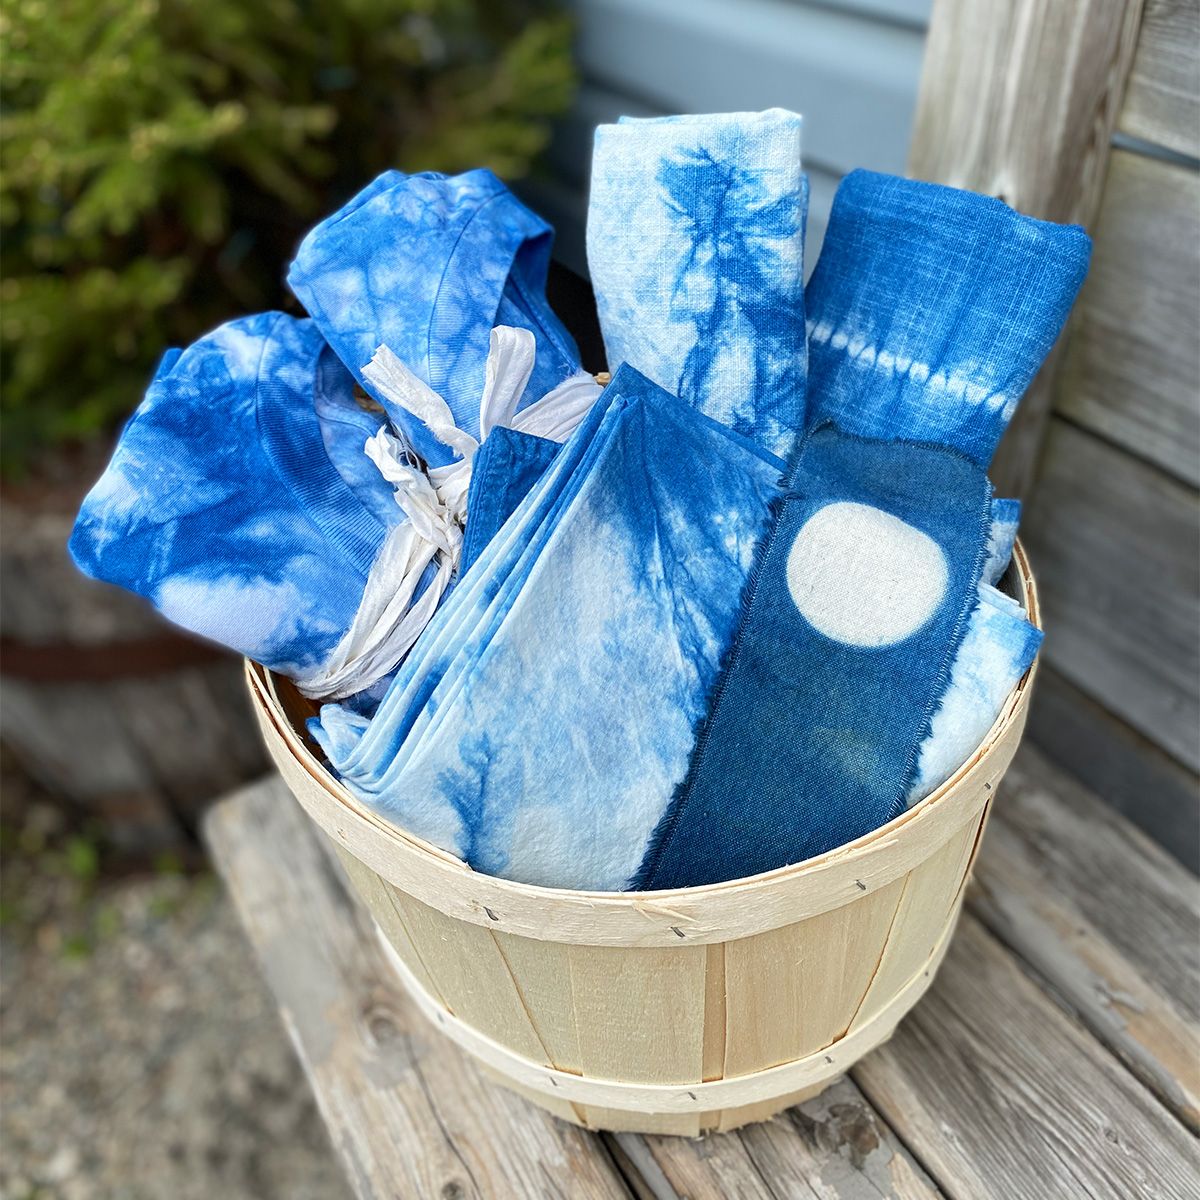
(388, 622)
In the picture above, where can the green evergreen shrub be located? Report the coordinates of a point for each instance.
(160, 159)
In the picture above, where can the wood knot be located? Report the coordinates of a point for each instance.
(381, 1025)
(453, 1190)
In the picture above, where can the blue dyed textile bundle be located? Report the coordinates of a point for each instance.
(256, 499)
(731, 611)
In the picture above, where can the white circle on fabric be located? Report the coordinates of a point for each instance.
(864, 577)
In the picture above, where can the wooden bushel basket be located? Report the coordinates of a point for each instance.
(674, 1011)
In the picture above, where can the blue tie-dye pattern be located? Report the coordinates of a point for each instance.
(503, 472)
(221, 506)
(428, 265)
(457, 628)
(931, 309)
(999, 647)
(696, 251)
(619, 573)
(345, 428)
(531, 788)
(616, 608)
(1006, 516)
(813, 729)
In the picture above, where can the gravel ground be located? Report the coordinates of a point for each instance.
(141, 1055)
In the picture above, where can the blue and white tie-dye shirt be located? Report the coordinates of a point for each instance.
(223, 506)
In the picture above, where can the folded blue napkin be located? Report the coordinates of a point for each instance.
(930, 311)
(504, 470)
(1002, 536)
(428, 265)
(546, 716)
(695, 240)
(224, 503)
(999, 646)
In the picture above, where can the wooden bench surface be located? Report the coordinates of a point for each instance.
(1057, 1054)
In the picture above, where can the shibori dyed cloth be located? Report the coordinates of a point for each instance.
(427, 265)
(544, 725)
(255, 502)
(546, 716)
(930, 311)
(695, 239)
(236, 501)
(477, 748)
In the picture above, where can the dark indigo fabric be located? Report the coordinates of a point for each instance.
(503, 471)
(929, 312)
(831, 681)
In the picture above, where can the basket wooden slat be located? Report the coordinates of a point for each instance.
(665, 1012)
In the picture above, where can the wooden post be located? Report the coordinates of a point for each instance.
(1019, 99)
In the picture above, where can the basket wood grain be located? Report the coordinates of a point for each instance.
(675, 1011)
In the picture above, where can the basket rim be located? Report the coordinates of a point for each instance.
(667, 917)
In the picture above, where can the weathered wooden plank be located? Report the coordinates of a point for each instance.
(1051, 855)
(1019, 100)
(833, 1145)
(407, 1112)
(1004, 1095)
(1113, 543)
(1124, 767)
(1134, 895)
(410, 1113)
(1162, 102)
(1132, 365)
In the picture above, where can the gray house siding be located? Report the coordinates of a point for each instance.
(851, 67)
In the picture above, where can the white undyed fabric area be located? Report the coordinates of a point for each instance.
(435, 502)
(863, 577)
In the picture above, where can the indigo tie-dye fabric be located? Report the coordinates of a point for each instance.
(479, 747)
(427, 265)
(224, 503)
(931, 310)
(855, 612)
(503, 472)
(695, 242)
(548, 713)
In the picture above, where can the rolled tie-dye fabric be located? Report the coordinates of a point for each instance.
(547, 716)
(428, 265)
(224, 503)
(931, 310)
(1002, 536)
(999, 647)
(695, 242)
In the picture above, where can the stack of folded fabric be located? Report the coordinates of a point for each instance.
(727, 613)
